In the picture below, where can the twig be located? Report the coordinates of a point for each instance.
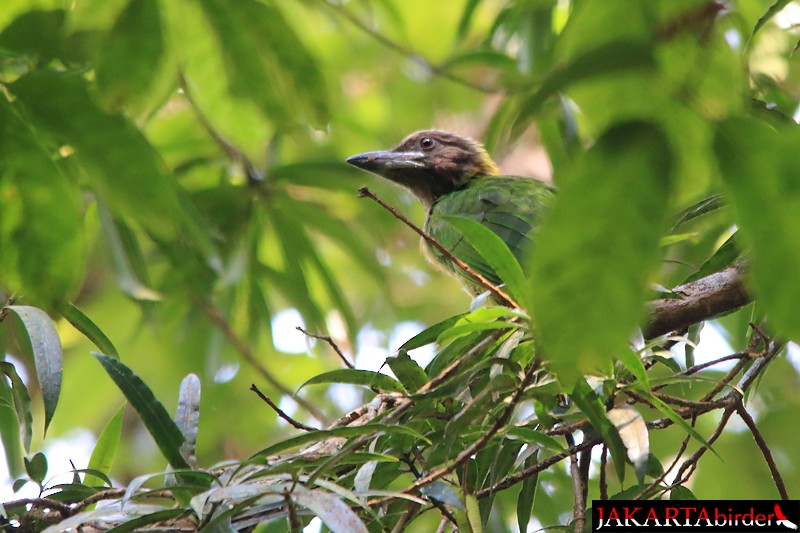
(691, 463)
(331, 343)
(364, 192)
(246, 352)
(765, 451)
(289, 419)
(603, 482)
(578, 486)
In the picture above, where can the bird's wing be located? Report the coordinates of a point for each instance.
(509, 206)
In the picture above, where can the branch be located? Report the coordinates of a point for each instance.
(765, 451)
(294, 423)
(701, 299)
(331, 343)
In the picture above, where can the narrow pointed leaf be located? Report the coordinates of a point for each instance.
(353, 376)
(590, 405)
(105, 450)
(91, 331)
(22, 404)
(167, 435)
(46, 347)
(495, 252)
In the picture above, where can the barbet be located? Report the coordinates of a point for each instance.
(454, 176)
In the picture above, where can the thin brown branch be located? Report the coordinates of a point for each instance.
(603, 467)
(691, 463)
(247, 354)
(498, 293)
(704, 298)
(294, 423)
(765, 451)
(331, 343)
(578, 487)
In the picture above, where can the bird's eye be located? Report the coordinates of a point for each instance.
(426, 143)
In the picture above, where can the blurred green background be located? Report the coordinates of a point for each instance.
(175, 168)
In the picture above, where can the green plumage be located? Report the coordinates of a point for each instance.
(510, 206)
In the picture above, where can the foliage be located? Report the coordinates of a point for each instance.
(171, 180)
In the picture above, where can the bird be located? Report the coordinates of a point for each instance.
(453, 175)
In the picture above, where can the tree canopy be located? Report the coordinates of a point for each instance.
(174, 202)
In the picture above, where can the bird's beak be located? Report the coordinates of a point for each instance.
(387, 160)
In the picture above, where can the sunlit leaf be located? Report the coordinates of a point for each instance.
(105, 449)
(633, 432)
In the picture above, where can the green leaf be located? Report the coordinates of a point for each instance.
(347, 432)
(681, 493)
(527, 493)
(46, 348)
(36, 467)
(126, 256)
(266, 61)
(22, 407)
(492, 249)
(725, 256)
(608, 59)
(129, 58)
(122, 165)
(760, 168)
(105, 450)
(89, 329)
(676, 419)
(24, 34)
(529, 436)
(591, 406)
(353, 376)
(599, 248)
(773, 10)
(41, 232)
(429, 334)
(167, 435)
(410, 374)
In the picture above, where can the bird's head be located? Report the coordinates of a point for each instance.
(429, 163)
